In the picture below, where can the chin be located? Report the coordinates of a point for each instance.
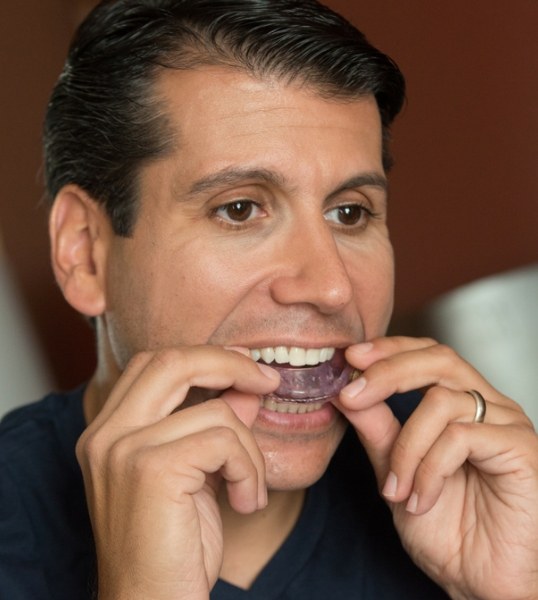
(297, 463)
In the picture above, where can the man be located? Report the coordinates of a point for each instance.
(218, 175)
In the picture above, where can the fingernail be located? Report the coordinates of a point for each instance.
(362, 348)
(353, 389)
(412, 503)
(391, 485)
(268, 371)
(240, 349)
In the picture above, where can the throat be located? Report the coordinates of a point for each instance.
(250, 541)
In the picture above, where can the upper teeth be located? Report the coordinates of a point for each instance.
(295, 356)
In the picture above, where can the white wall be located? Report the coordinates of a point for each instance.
(23, 374)
(493, 323)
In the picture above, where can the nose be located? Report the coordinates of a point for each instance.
(311, 270)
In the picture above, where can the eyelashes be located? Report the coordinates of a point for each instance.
(350, 215)
(239, 211)
(243, 213)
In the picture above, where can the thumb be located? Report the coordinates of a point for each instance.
(377, 429)
(245, 406)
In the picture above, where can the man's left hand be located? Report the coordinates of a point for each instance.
(464, 494)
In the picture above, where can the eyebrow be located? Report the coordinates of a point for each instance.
(231, 176)
(372, 179)
(235, 175)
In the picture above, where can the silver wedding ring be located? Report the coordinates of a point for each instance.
(480, 413)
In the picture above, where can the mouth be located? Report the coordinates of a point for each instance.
(309, 377)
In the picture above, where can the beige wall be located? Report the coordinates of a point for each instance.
(464, 191)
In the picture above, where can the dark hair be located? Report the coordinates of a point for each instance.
(104, 120)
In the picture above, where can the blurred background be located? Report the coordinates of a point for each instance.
(464, 195)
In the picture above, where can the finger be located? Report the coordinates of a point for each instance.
(245, 406)
(135, 366)
(439, 407)
(364, 354)
(185, 465)
(246, 411)
(191, 420)
(377, 428)
(162, 384)
(416, 369)
(372, 419)
(212, 415)
(219, 450)
(490, 449)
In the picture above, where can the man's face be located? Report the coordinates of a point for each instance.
(266, 227)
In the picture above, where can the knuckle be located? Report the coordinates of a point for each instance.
(525, 423)
(118, 454)
(382, 369)
(456, 432)
(170, 358)
(435, 401)
(80, 449)
(91, 452)
(218, 412)
(89, 447)
(446, 354)
(138, 360)
(222, 435)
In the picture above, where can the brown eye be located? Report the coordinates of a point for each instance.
(240, 210)
(239, 213)
(349, 215)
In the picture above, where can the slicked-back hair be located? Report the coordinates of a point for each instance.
(105, 120)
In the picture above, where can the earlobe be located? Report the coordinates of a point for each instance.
(79, 233)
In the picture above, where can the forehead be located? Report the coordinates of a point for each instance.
(226, 95)
(221, 117)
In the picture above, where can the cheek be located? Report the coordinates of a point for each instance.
(209, 286)
(183, 296)
(373, 282)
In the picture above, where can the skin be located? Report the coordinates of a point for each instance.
(288, 276)
(304, 259)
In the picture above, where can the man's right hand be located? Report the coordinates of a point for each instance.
(152, 472)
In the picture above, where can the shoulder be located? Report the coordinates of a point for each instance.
(45, 534)
(39, 439)
(55, 414)
(47, 407)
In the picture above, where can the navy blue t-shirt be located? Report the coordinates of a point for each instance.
(343, 547)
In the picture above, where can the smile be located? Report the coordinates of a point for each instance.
(309, 377)
(293, 356)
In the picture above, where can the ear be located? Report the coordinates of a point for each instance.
(80, 233)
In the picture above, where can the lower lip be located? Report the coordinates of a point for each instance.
(316, 420)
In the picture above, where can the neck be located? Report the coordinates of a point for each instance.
(251, 540)
(105, 376)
